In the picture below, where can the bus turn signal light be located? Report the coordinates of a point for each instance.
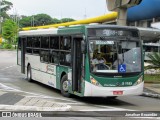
(94, 82)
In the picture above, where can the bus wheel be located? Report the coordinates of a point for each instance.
(29, 73)
(64, 86)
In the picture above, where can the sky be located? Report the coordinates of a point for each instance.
(77, 9)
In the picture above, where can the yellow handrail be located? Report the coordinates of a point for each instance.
(99, 19)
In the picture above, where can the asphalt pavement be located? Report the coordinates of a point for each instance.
(151, 90)
(14, 101)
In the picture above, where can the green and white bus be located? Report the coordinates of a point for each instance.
(63, 59)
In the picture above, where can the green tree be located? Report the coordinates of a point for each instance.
(63, 20)
(25, 22)
(9, 31)
(154, 60)
(37, 20)
(55, 21)
(5, 6)
(42, 19)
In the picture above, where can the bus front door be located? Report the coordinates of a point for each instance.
(23, 49)
(76, 64)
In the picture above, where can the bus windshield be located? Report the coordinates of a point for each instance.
(114, 56)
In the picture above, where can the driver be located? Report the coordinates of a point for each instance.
(97, 61)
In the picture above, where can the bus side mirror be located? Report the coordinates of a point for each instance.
(83, 46)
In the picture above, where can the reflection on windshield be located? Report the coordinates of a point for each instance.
(115, 56)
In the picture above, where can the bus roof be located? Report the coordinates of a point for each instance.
(77, 29)
(38, 32)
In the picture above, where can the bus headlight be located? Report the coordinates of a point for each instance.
(139, 80)
(94, 82)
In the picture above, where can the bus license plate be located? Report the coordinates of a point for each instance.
(117, 92)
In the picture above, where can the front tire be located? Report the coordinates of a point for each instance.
(64, 86)
(29, 73)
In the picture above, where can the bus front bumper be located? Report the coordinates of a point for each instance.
(92, 90)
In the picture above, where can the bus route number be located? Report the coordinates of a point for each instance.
(127, 83)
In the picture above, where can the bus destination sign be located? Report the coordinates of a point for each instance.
(112, 32)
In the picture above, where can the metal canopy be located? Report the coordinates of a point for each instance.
(149, 34)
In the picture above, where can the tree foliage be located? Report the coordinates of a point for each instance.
(5, 6)
(63, 20)
(55, 21)
(36, 20)
(9, 31)
(154, 60)
(40, 20)
(25, 22)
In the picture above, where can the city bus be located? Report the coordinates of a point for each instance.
(63, 57)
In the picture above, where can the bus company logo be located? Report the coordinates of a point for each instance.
(49, 68)
(118, 84)
(6, 114)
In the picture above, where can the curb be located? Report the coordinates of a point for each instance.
(151, 95)
(34, 108)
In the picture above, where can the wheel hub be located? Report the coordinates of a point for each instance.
(65, 86)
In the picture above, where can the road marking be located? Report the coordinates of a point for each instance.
(34, 108)
(8, 67)
(7, 88)
(107, 108)
(35, 95)
(1, 93)
(104, 109)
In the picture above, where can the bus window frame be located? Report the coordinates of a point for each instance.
(62, 37)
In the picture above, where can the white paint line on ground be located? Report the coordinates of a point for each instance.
(109, 107)
(150, 118)
(1, 93)
(75, 103)
(34, 108)
(106, 109)
(10, 89)
(8, 67)
(7, 88)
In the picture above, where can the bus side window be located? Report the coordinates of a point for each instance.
(45, 42)
(54, 42)
(65, 58)
(29, 41)
(29, 45)
(54, 57)
(44, 56)
(19, 43)
(65, 54)
(65, 43)
(36, 45)
(36, 42)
